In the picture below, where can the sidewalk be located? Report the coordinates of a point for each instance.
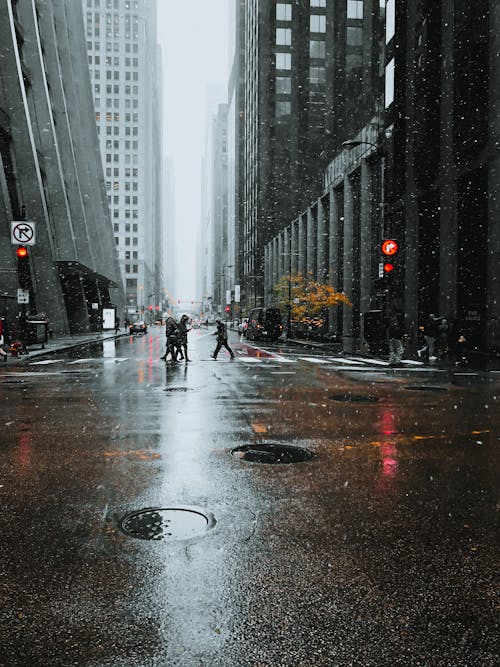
(60, 343)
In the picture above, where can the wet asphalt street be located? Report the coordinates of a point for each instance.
(379, 550)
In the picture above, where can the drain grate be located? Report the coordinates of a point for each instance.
(272, 453)
(159, 523)
(354, 398)
(425, 387)
(177, 390)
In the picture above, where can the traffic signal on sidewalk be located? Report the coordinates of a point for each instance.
(23, 267)
(390, 258)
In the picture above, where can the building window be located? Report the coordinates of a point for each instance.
(283, 61)
(283, 85)
(318, 23)
(354, 9)
(283, 12)
(318, 3)
(316, 75)
(317, 49)
(283, 108)
(390, 20)
(283, 36)
(389, 84)
(354, 36)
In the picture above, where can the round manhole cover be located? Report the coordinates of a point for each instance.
(272, 453)
(425, 387)
(161, 523)
(177, 390)
(353, 398)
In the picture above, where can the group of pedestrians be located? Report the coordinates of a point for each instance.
(176, 334)
(444, 340)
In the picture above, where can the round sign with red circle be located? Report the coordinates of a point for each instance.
(389, 247)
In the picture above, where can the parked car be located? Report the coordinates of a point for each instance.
(264, 324)
(138, 327)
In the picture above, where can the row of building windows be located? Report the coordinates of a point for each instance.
(128, 200)
(128, 241)
(128, 130)
(112, 4)
(129, 103)
(129, 159)
(128, 185)
(129, 47)
(129, 90)
(129, 173)
(116, 229)
(110, 75)
(113, 46)
(113, 61)
(109, 116)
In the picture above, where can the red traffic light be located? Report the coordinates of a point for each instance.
(388, 267)
(157, 307)
(389, 247)
(22, 251)
(150, 307)
(228, 308)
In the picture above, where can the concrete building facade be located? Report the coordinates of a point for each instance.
(51, 172)
(423, 171)
(308, 66)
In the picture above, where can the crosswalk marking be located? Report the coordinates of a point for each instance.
(315, 360)
(45, 362)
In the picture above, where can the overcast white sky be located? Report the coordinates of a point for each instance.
(194, 38)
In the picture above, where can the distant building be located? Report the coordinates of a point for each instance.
(50, 171)
(124, 64)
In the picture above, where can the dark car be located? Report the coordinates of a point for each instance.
(264, 324)
(138, 327)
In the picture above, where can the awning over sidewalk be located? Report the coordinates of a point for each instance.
(76, 269)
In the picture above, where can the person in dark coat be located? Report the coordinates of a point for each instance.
(431, 331)
(182, 338)
(171, 336)
(221, 334)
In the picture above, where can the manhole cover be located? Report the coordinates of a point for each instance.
(177, 390)
(272, 453)
(160, 523)
(425, 387)
(354, 398)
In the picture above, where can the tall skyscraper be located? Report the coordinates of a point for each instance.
(124, 66)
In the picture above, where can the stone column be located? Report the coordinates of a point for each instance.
(347, 341)
(322, 244)
(333, 242)
(367, 242)
(302, 245)
(275, 262)
(281, 258)
(294, 246)
(493, 275)
(267, 279)
(311, 242)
